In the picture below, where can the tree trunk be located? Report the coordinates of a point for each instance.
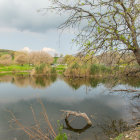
(137, 55)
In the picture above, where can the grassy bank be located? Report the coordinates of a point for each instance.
(74, 70)
(60, 69)
(40, 69)
(15, 68)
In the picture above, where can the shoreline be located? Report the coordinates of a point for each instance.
(132, 134)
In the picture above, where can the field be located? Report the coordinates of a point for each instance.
(16, 68)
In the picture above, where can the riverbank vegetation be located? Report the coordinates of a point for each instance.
(79, 65)
(76, 70)
(104, 64)
(43, 69)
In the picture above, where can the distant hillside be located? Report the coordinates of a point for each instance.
(4, 51)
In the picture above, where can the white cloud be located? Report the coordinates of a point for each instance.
(27, 49)
(49, 50)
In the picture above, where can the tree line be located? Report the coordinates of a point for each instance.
(23, 57)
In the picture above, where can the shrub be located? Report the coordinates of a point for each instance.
(44, 69)
(84, 70)
(75, 66)
(77, 70)
(94, 69)
(40, 68)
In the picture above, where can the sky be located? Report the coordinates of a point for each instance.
(24, 26)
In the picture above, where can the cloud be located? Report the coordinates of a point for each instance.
(23, 15)
(45, 49)
(27, 49)
(49, 50)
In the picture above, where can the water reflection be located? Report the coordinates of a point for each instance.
(110, 111)
(93, 82)
(27, 80)
(75, 83)
(22, 111)
(70, 128)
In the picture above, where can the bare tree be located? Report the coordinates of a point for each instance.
(40, 57)
(21, 58)
(6, 59)
(103, 25)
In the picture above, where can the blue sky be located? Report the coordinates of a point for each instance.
(22, 26)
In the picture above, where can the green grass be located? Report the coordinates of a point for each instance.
(119, 137)
(13, 68)
(61, 67)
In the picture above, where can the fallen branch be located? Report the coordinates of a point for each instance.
(77, 114)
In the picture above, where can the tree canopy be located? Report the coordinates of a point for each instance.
(103, 25)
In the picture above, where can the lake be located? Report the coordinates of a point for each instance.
(111, 112)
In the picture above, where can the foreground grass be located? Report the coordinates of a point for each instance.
(15, 68)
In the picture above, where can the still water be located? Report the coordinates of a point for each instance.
(110, 112)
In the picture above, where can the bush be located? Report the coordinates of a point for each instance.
(40, 68)
(84, 70)
(77, 70)
(75, 66)
(95, 69)
(44, 69)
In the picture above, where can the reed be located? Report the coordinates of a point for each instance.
(36, 132)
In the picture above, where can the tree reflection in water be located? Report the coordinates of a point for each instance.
(27, 80)
(75, 83)
(70, 128)
(107, 127)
